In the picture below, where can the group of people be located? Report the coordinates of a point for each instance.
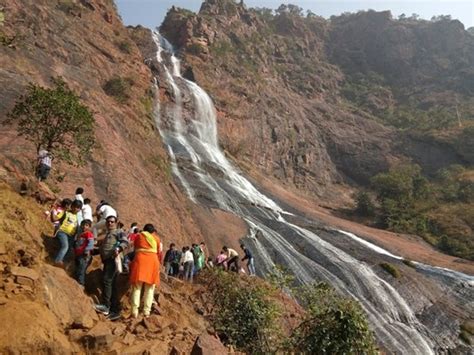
(85, 233)
(186, 262)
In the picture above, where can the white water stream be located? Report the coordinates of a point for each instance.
(203, 170)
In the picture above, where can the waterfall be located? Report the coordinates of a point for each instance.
(200, 165)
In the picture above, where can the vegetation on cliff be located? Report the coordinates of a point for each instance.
(252, 315)
(55, 119)
(439, 210)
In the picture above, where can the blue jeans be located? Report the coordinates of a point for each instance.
(251, 266)
(82, 263)
(188, 270)
(64, 241)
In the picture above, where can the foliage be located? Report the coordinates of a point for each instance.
(409, 263)
(55, 119)
(391, 269)
(2, 17)
(439, 211)
(196, 49)
(397, 192)
(124, 46)
(68, 6)
(364, 205)
(280, 278)
(332, 325)
(244, 316)
(119, 88)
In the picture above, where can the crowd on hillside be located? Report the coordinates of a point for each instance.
(138, 252)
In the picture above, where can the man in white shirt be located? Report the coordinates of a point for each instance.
(87, 210)
(44, 164)
(188, 263)
(104, 211)
(232, 258)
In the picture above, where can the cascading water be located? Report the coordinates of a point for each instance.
(205, 173)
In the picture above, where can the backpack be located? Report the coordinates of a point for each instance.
(54, 220)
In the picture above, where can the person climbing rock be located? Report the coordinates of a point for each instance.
(145, 270)
(66, 231)
(113, 243)
(232, 259)
(82, 250)
(44, 163)
(250, 261)
(170, 259)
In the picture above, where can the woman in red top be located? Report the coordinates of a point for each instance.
(145, 269)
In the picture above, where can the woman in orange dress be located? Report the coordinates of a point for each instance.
(145, 269)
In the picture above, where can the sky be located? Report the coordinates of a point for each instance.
(150, 13)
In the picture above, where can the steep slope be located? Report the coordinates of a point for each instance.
(86, 43)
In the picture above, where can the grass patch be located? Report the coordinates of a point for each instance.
(409, 263)
(124, 46)
(118, 88)
(391, 269)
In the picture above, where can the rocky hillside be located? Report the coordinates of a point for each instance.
(332, 103)
(325, 96)
(86, 44)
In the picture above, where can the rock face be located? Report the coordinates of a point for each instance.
(86, 43)
(289, 77)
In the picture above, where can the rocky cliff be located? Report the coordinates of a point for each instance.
(86, 44)
(321, 94)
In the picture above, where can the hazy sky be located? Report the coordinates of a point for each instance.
(150, 13)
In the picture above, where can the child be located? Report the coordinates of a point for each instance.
(58, 212)
(82, 251)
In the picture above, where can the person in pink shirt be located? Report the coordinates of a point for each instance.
(221, 260)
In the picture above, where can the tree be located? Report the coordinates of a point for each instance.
(332, 324)
(54, 119)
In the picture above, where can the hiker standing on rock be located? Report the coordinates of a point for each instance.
(145, 269)
(44, 162)
(250, 261)
(114, 242)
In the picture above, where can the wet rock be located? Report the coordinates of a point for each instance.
(206, 344)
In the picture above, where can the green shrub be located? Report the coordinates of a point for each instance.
(124, 46)
(332, 325)
(69, 7)
(196, 49)
(243, 316)
(364, 205)
(56, 120)
(391, 269)
(409, 263)
(119, 88)
(280, 278)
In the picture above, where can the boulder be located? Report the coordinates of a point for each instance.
(208, 345)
